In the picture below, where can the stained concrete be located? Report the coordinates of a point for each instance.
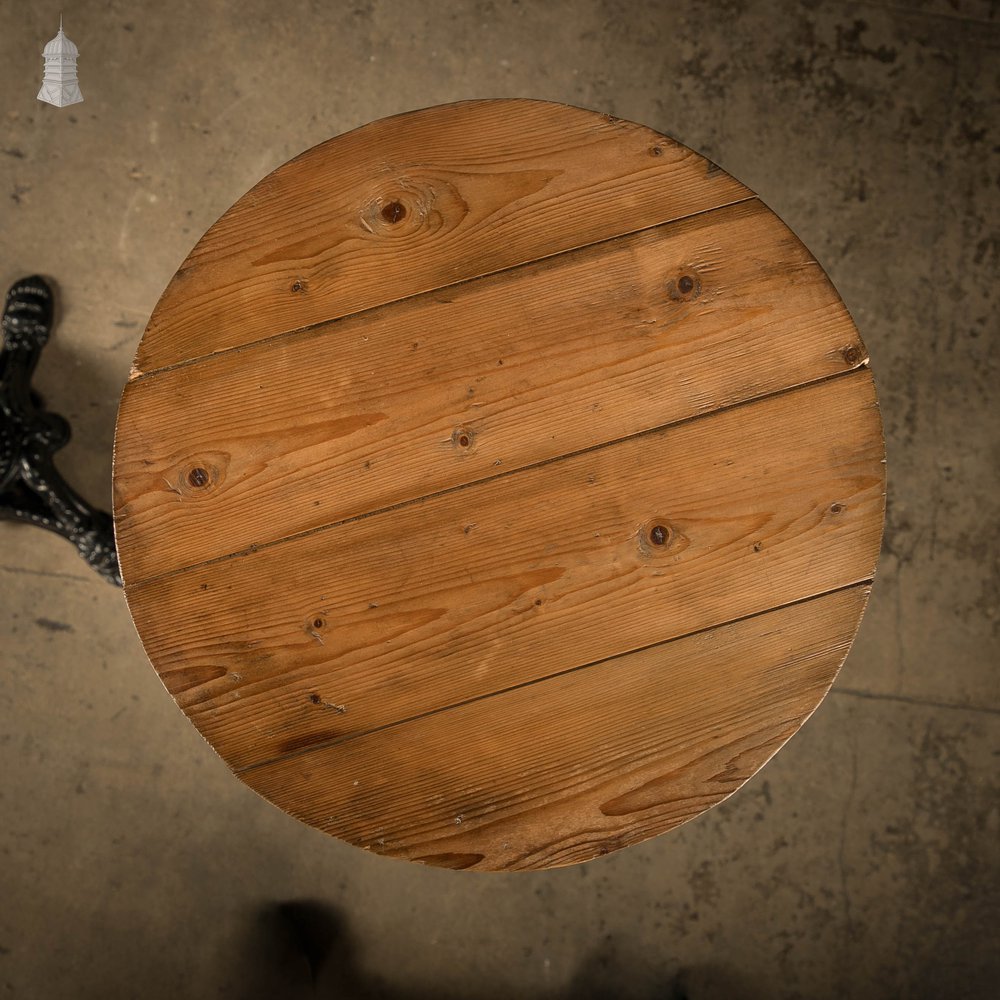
(863, 861)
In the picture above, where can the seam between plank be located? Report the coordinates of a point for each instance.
(429, 291)
(250, 550)
(866, 581)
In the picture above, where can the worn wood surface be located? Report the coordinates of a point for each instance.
(510, 580)
(418, 202)
(360, 414)
(583, 763)
(504, 572)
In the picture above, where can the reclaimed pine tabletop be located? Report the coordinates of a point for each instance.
(498, 485)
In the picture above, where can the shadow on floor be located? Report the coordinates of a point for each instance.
(304, 948)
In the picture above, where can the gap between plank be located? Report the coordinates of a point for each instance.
(326, 745)
(141, 376)
(249, 550)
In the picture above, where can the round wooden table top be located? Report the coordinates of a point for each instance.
(498, 485)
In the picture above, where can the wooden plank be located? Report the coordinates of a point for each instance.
(501, 583)
(528, 365)
(416, 202)
(581, 764)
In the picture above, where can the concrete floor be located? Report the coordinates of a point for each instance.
(863, 861)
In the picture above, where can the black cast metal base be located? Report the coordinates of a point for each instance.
(31, 488)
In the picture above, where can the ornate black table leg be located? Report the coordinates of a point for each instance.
(31, 489)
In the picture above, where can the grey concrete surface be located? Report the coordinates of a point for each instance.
(863, 861)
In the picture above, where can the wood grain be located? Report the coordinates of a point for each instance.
(582, 764)
(448, 388)
(498, 485)
(504, 582)
(418, 202)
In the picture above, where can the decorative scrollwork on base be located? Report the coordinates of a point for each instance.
(31, 488)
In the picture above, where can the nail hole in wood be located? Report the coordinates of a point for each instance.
(198, 478)
(393, 212)
(463, 437)
(684, 288)
(659, 534)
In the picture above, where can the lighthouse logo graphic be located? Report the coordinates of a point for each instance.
(59, 85)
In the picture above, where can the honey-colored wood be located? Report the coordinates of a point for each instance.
(518, 578)
(354, 416)
(581, 764)
(417, 202)
(533, 521)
